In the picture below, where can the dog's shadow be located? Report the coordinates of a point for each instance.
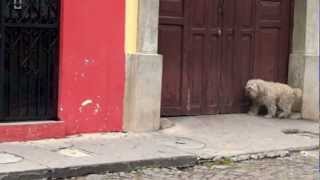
(263, 111)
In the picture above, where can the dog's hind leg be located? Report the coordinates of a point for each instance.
(272, 109)
(285, 104)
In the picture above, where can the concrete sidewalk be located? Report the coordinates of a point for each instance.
(238, 137)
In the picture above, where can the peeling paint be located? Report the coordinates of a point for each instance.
(88, 61)
(86, 102)
(97, 109)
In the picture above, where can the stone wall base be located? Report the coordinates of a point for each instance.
(304, 73)
(142, 92)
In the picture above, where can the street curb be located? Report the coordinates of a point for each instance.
(260, 155)
(26, 175)
(123, 166)
(76, 171)
(179, 161)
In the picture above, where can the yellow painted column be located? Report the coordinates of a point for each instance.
(131, 25)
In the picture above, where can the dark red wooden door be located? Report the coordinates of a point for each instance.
(212, 47)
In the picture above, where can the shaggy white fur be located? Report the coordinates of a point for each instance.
(276, 97)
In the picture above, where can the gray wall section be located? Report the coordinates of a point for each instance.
(304, 59)
(148, 20)
(144, 74)
(143, 92)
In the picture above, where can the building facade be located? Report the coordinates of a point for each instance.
(110, 66)
(87, 93)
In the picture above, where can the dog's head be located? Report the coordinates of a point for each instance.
(253, 88)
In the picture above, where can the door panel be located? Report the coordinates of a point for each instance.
(198, 13)
(212, 64)
(268, 54)
(272, 40)
(172, 42)
(227, 69)
(29, 60)
(244, 51)
(219, 46)
(227, 72)
(211, 96)
(195, 60)
(170, 38)
(243, 27)
(196, 55)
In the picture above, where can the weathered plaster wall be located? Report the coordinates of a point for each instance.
(92, 65)
(92, 73)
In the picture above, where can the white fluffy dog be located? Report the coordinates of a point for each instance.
(275, 97)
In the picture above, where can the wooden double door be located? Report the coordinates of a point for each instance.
(212, 47)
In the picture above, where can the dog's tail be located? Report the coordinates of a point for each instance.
(297, 92)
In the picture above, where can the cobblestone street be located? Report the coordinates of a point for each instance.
(301, 166)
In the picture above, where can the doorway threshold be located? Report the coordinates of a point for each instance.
(31, 122)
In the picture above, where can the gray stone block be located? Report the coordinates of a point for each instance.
(143, 92)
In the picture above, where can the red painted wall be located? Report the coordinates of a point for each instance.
(92, 65)
(91, 72)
